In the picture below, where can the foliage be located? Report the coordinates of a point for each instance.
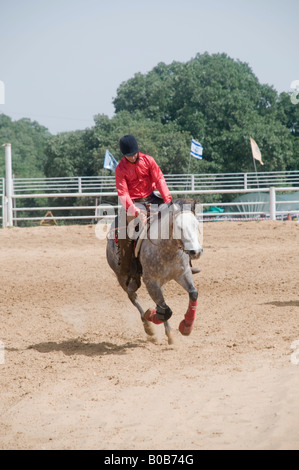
(70, 154)
(28, 140)
(213, 98)
(166, 143)
(288, 115)
(220, 102)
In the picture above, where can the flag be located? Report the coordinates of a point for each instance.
(256, 153)
(196, 149)
(109, 162)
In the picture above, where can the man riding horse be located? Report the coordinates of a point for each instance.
(137, 176)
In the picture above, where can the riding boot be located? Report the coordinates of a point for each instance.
(128, 265)
(126, 254)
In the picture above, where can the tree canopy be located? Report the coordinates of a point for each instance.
(213, 98)
(28, 140)
(220, 102)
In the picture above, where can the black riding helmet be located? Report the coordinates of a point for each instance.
(128, 145)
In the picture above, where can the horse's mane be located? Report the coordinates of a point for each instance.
(181, 202)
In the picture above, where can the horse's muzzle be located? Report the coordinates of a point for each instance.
(194, 254)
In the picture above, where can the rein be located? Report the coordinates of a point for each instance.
(175, 215)
(146, 229)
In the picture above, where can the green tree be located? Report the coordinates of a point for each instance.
(168, 144)
(288, 114)
(220, 102)
(28, 140)
(70, 154)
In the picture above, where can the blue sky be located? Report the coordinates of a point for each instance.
(62, 61)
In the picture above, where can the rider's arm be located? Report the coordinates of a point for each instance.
(123, 194)
(159, 180)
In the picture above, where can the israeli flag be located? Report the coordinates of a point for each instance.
(109, 161)
(196, 149)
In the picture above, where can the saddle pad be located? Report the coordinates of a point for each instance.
(140, 239)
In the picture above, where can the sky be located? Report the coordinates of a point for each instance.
(62, 61)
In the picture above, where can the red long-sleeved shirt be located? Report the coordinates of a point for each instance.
(139, 179)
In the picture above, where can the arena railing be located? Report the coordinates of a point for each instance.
(100, 209)
(95, 189)
(193, 182)
(2, 202)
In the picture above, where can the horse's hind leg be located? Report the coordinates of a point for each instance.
(146, 324)
(134, 299)
(162, 313)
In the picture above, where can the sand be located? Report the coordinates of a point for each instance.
(78, 372)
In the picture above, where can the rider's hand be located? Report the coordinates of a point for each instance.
(142, 218)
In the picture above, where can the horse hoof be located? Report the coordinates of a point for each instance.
(170, 338)
(150, 315)
(185, 329)
(148, 328)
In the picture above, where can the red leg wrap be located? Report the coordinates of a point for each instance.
(150, 315)
(186, 325)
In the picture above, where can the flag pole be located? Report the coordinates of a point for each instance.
(256, 173)
(188, 173)
(256, 155)
(196, 151)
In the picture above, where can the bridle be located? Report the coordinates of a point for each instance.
(175, 215)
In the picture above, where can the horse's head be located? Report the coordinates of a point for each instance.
(186, 228)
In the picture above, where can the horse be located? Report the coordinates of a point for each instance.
(164, 249)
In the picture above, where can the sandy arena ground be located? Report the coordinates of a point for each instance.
(77, 371)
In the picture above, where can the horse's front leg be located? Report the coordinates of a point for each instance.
(186, 324)
(162, 312)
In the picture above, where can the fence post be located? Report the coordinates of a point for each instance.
(3, 204)
(9, 184)
(192, 182)
(245, 180)
(272, 203)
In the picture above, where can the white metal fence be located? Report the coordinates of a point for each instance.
(2, 202)
(94, 191)
(180, 182)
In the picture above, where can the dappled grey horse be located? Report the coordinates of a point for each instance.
(164, 247)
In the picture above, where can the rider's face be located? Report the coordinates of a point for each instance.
(133, 158)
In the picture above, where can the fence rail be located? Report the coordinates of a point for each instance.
(2, 202)
(93, 189)
(179, 182)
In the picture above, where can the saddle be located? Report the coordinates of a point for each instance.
(135, 265)
(135, 270)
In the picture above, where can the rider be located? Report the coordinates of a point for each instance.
(136, 176)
